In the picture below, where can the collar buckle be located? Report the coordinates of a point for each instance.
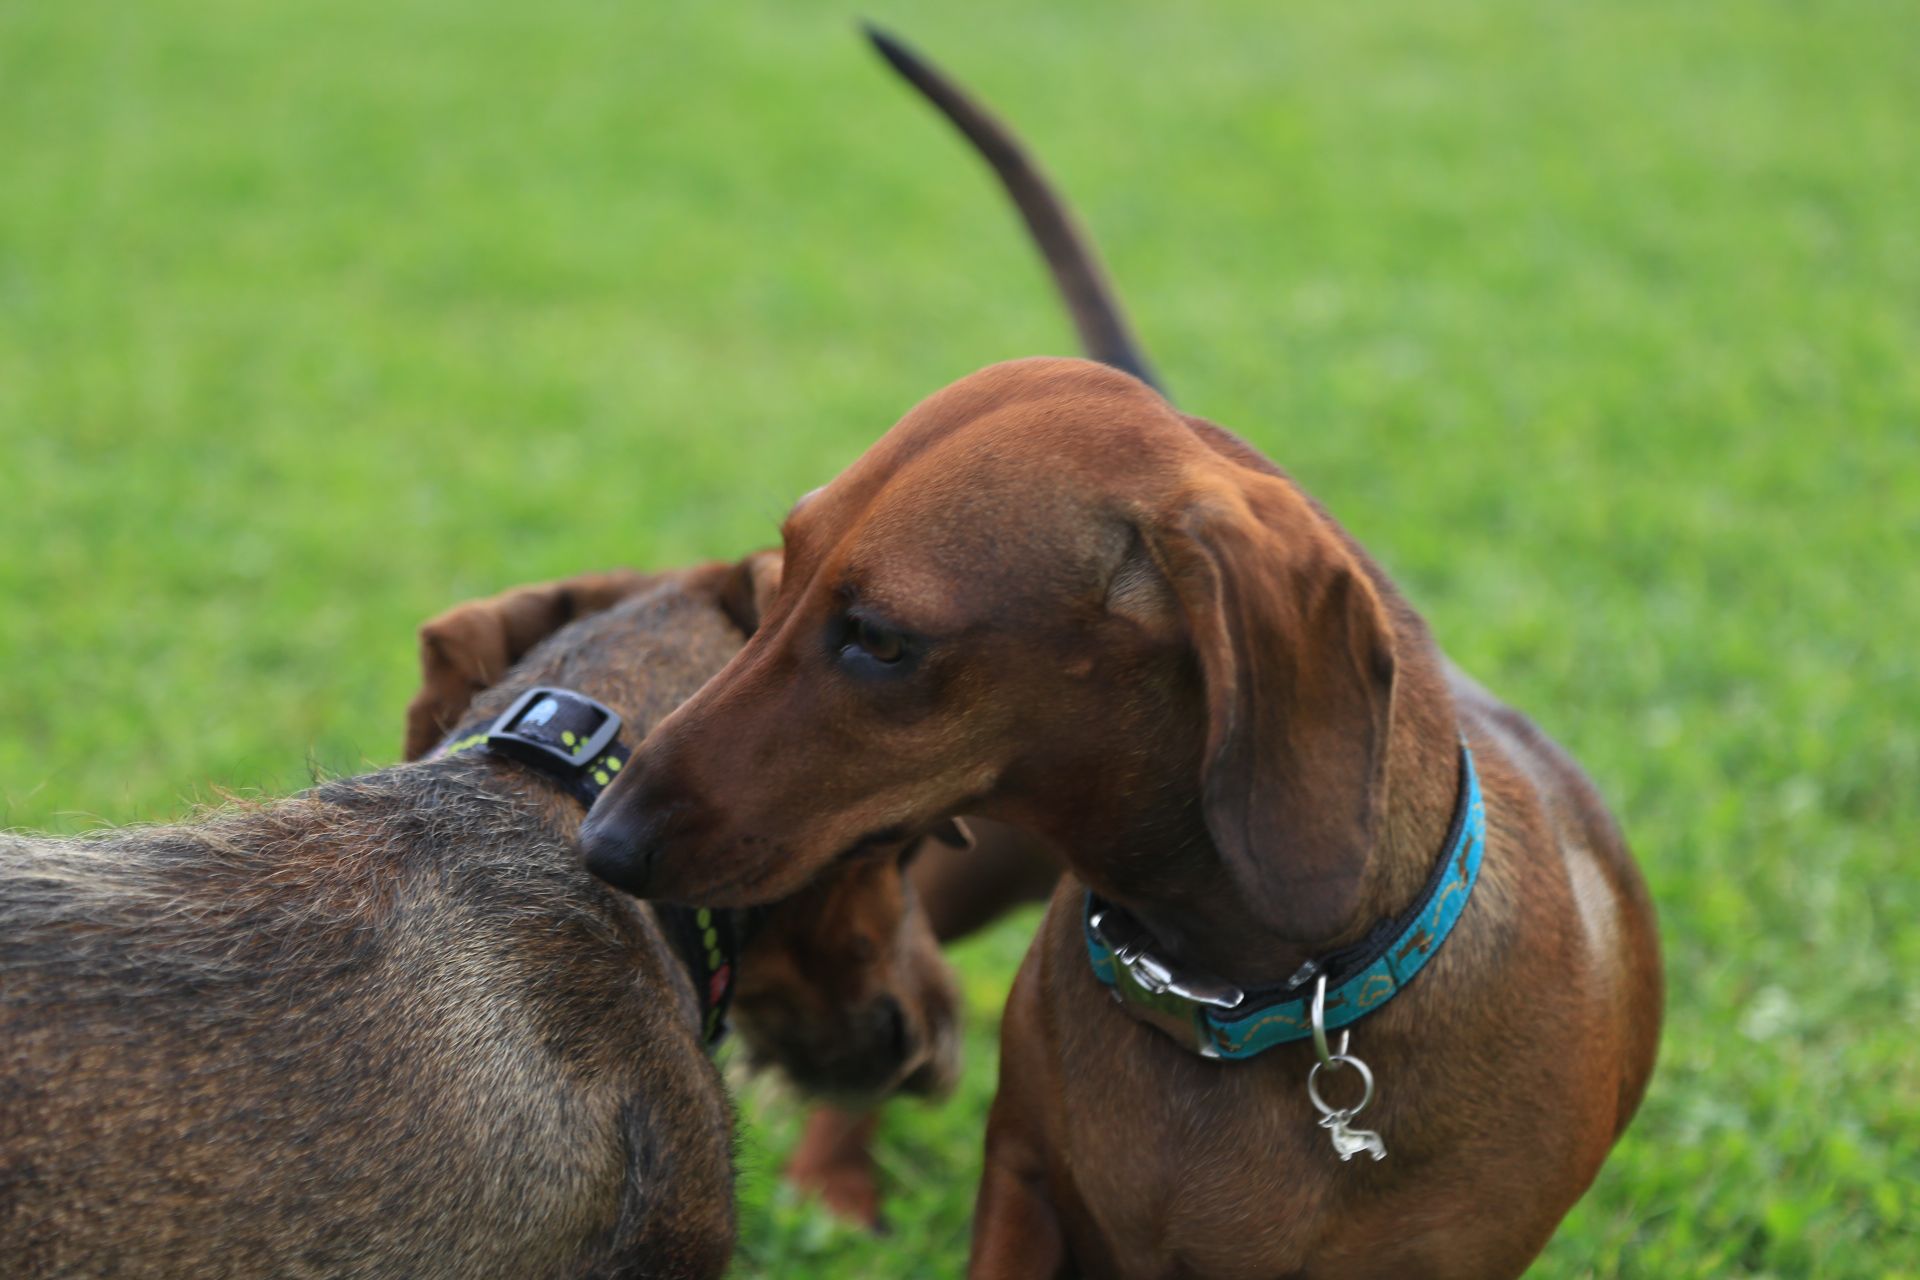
(546, 727)
(1127, 939)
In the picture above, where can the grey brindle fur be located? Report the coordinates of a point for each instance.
(386, 1027)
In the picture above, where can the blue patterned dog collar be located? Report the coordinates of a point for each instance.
(1219, 1020)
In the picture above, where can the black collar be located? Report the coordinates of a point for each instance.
(575, 740)
(565, 735)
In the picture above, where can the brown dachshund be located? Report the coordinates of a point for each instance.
(1047, 597)
(390, 1027)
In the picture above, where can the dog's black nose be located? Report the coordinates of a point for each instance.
(893, 1028)
(619, 847)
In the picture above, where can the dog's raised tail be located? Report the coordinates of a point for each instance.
(1104, 333)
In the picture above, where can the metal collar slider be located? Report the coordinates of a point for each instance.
(1152, 990)
(1128, 940)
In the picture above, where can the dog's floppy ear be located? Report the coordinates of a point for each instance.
(471, 645)
(746, 589)
(1296, 653)
(742, 589)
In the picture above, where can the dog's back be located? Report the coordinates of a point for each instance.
(388, 1027)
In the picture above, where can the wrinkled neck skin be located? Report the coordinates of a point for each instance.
(1156, 858)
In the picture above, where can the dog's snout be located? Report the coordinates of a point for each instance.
(613, 853)
(618, 844)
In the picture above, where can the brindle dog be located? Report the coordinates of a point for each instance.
(846, 946)
(803, 963)
(390, 1027)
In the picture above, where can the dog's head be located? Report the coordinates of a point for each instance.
(1044, 596)
(841, 985)
(469, 648)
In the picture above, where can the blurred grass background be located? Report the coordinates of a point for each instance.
(1598, 323)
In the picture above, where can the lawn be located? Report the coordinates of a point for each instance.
(1599, 324)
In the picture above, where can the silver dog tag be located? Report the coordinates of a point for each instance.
(1349, 1142)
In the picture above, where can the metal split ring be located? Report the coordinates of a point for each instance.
(1320, 1103)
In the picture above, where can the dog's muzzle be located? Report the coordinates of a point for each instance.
(619, 847)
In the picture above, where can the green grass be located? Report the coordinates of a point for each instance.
(1598, 323)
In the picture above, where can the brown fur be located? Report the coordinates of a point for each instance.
(387, 1027)
(1135, 637)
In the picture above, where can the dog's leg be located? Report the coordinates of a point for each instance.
(834, 1161)
(1017, 1232)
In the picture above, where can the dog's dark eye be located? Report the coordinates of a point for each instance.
(865, 647)
(869, 648)
(882, 644)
